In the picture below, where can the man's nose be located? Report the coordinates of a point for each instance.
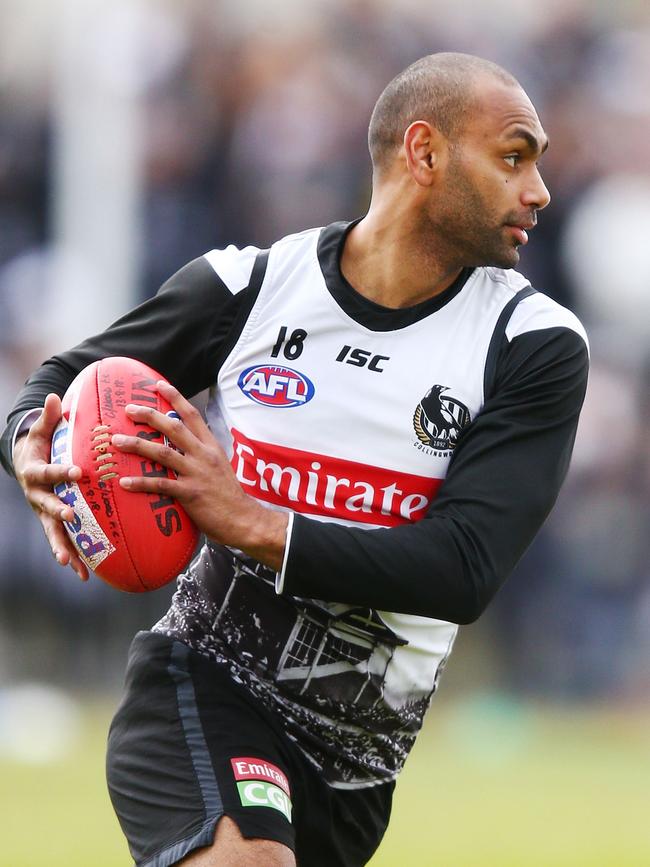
(536, 194)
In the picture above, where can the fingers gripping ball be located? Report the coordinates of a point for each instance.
(134, 541)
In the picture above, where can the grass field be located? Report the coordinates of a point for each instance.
(491, 783)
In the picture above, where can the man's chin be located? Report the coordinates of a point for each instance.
(502, 257)
(506, 259)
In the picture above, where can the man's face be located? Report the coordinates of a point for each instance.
(492, 189)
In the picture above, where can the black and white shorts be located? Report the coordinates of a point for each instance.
(189, 745)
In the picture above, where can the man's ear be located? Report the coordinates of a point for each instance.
(424, 148)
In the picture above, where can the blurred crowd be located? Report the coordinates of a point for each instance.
(252, 124)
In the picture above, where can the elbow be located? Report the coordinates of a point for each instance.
(478, 577)
(469, 611)
(463, 608)
(476, 594)
(467, 616)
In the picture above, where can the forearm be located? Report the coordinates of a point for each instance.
(419, 569)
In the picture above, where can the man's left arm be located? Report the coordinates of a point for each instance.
(502, 483)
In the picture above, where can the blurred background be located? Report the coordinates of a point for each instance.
(139, 134)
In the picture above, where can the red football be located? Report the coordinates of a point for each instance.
(134, 541)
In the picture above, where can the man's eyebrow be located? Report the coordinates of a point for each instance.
(530, 139)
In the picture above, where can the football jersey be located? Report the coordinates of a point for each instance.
(416, 451)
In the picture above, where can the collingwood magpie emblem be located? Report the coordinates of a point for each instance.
(439, 419)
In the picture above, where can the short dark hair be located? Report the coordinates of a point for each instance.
(438, 88)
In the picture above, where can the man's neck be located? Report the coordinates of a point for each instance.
(385, 260)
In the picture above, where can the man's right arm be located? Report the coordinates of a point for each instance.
(183, 333)
(180, 333)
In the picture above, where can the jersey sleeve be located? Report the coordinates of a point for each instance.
(184, 332)
(502, 482)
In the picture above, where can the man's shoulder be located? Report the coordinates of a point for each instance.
(539, 312)
(536, 311)
(296, 246)
(234, 264)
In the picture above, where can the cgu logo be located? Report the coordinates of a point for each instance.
(260, 794)
(271, 385)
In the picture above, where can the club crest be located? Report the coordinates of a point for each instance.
(439, 419)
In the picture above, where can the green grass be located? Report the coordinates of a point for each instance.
(491, 783)
(59, 814)
(502, 786)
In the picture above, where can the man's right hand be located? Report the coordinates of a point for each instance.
(37, 477)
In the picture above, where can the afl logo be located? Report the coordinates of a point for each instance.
(272, 385)
(439, 419)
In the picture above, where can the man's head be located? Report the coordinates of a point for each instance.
(465, 138)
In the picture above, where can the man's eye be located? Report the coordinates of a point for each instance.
(512, 160)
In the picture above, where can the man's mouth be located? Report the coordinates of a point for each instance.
(520, 230)
(521, 235)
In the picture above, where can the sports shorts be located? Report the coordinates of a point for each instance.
(189, 745)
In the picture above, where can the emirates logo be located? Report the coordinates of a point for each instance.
(329, 486)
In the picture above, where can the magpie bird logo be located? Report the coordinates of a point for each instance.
(439, 419)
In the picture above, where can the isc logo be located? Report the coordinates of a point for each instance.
(272, 385)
